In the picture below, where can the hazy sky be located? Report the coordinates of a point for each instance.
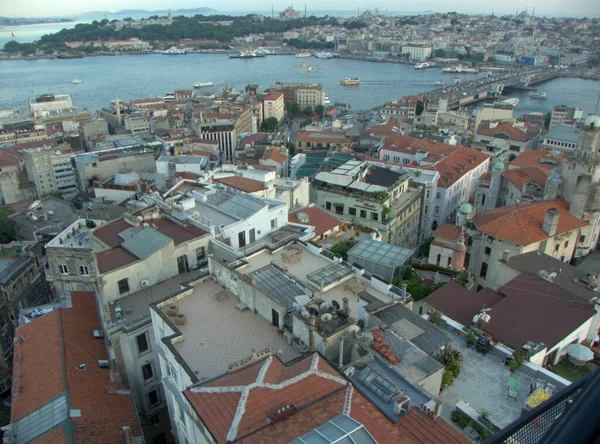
(37, 8)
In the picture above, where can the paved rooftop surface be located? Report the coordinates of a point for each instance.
(483, 384)
(217, 334)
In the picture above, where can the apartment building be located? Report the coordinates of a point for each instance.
(274, 106)
(418, 53)
(304, 94)
(565, 115)
(51, 170)
(504, 141)
(41, 105)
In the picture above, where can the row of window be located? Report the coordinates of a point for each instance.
(84, 271)
(339, 209)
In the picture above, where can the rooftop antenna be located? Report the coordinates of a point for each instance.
(118, 109)
(272, 11)
(304, 12)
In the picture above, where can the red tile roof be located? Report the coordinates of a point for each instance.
(239, 404)
(513, 133)
(410, 145)
(447, 231)
(321, 137)
(242, 183)
(521, 176)
(522, 223)
(54, 346)
(275, 155)
(544, 159)
(456, 164)
(273, 95)
(114, 258)
(460, 304)
(537, 310)
(317, 217)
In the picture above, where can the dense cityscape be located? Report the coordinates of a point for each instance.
(243, 261)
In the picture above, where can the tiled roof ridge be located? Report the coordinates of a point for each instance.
(63, 359)
(260, 383)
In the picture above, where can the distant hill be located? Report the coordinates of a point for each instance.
(145, 13)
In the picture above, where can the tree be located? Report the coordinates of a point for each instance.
(7, 228)
(270, 125)
(307, 111)
(420, 108)
(341, 249)
(547, 119)
(440, 53)
(293, 110)
(426, 245)
(462, 278)
(320, 110)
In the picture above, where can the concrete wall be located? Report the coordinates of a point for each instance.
(105, 169)
(445, 253)
(261, 222)
(116, 196)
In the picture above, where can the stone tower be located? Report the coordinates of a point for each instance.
(495, 183)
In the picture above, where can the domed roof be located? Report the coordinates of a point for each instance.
(499, 165)
(126, 177)
(466, 208)
(592, 120)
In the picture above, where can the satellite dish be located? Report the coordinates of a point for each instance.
(305, 314)
(196, 214)
(325, 306)
(353, 329)
(313, 311)
(327, 317)
(336, 304)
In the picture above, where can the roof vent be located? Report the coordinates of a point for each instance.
(281, 413)
(81, 367)
(98, 334)
(103, 363)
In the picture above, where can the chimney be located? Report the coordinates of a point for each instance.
(404, 292)
(551, 222)
(311, 332)
(506, 255)
(346, 308)
(128, 435)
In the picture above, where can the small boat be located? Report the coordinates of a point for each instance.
(76, 81)
(203, 84)
(538, 95)
(326, 100)
(439, 83)
(513, 101)
(352, 81)
(245, 55)
(303, 55)
(323, 55)
(173, 50)
(423, 65)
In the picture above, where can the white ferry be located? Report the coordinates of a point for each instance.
(173, 50)
(303, 55)
(538, 95)
(513, 101)
(76, 81)
(203, 84)
(323, 55)
(423, 65)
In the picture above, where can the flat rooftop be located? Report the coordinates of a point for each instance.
(218, 334)
(309, 268)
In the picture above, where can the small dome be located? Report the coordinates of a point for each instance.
(592, 120)
(466, 208)
(499, 165)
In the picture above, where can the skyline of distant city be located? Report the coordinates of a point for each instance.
(70, 8)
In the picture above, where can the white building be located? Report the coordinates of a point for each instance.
(42, 105)
(274, 105)
(51, 170)
(561, 138)
(168, 166)
(418, 53)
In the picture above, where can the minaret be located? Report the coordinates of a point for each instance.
(118, 105)
(460, 252)
(495, 182)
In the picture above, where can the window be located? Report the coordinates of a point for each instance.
(374, 216)
(153, 397)
(363, 213)
(200, 253)
(484, 268)
(352, 211)
(154, 420)
(581, 238)
(556, 247)
(566, 244)
(339, 209)
(428, 194)
(449, 261)
(487, 250)
(62, 269)
(405, 161)
(83, 270)
(328, 205)
(273, 223)
(142, 343)
(436, 210)
(147, 371)
(426, 209)
(123, 285)
(438, 195)
(439, 259)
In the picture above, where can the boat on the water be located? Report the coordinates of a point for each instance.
(246, 55)
(173, 50)
(323, 55)
(423, 65)
(538, 95)
(439, 83)
(460, 69)
(351, 81)
(513, 101)
(203, 84)
(76, 81)
(69, 56)
(326, 100)
(303, 55)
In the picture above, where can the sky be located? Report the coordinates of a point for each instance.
(46, 8)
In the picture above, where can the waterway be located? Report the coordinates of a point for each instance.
(140, 76)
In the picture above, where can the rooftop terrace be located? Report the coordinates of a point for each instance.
(217, 334)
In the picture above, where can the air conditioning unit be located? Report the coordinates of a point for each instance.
(145, 283)
(98, 334)
(401, 405)
(103, 363)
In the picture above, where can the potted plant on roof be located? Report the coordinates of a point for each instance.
(471, 338)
